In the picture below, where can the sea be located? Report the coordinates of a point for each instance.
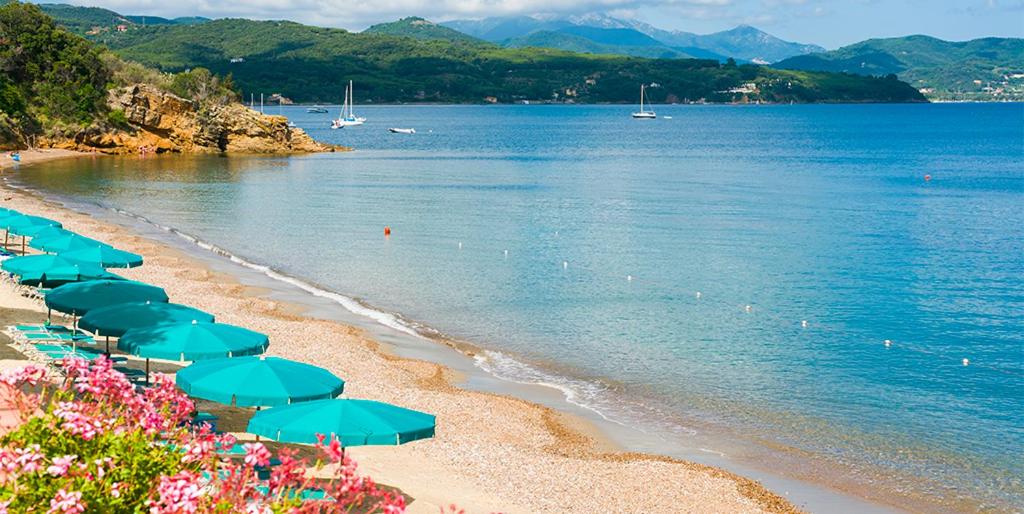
(836, 287)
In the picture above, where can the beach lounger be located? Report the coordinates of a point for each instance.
(43, 332)
(59, 351)
(308, 494)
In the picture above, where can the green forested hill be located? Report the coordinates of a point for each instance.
(54, 83)
(311, 64)
(49, 76)
(980, 69)
(419, 28)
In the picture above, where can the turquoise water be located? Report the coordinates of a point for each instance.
(617, 259)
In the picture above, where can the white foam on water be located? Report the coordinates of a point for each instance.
(387, 319)
(589, 395)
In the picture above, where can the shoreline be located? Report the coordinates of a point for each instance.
(34, 156)
(517, 468)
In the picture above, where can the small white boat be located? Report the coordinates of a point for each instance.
(347, 118)
(643, 114)
(395, 130)
(291, 124)
(316, 109)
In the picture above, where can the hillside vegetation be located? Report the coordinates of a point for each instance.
(59, 90)
(419, 28)
(312, 64)
(980, 69)
(50, 78)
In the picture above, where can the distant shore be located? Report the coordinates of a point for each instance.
(492, 452)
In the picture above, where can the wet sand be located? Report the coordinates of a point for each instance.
(491, 452)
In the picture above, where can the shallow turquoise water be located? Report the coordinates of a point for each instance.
(613, 226)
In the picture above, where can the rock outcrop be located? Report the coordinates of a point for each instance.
(158, 121)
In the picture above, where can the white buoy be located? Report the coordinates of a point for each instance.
(967, 361)
(629, 278)
(556, 233)
(565, 264)
(698, 294)
(749, 308)
(506, 254)
(888, 343)
(803, 323)
(460, 245)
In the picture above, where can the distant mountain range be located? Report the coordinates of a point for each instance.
(980, 69)
(414, 60)
(600, 33)
(983, 69)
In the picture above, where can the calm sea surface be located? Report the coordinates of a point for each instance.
(660, 271)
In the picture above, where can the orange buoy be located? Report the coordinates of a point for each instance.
(387, 231)
(927, 178)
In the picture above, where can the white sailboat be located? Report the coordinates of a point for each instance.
(347, 117)
(643, 114)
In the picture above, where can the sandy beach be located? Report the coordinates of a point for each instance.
(491, 452)
(35, 156)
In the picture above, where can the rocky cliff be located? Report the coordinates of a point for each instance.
(157, 121)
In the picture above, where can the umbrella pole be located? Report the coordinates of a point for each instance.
(108, 347)
(257, 410)
(23, 245)
(147, 370)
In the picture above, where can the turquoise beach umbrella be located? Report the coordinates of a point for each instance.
(80, 298)
(57, 277)
(106, 256)
(48, 232)
(24, 225)
(64, 243)
(5, 213)
(192, 341)
(258, 381)
(115, 320)
(353, 422)
(52, 270)
(34, 263)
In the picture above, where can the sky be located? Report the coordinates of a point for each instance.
(829, 23)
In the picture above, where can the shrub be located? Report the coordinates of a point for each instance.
(93, 443)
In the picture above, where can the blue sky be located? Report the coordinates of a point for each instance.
(830, 23)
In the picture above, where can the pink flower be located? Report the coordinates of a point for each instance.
(256, 454)
(60, 465)
(3, 506)
(196, 451)
(178, 494)
(67, 503)
(27, 460)
(334, 451)
(115, 489)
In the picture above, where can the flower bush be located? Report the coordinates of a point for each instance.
(93, 443)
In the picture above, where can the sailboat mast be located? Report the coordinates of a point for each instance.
(641, 98)
(344, 105)
(352, 100)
